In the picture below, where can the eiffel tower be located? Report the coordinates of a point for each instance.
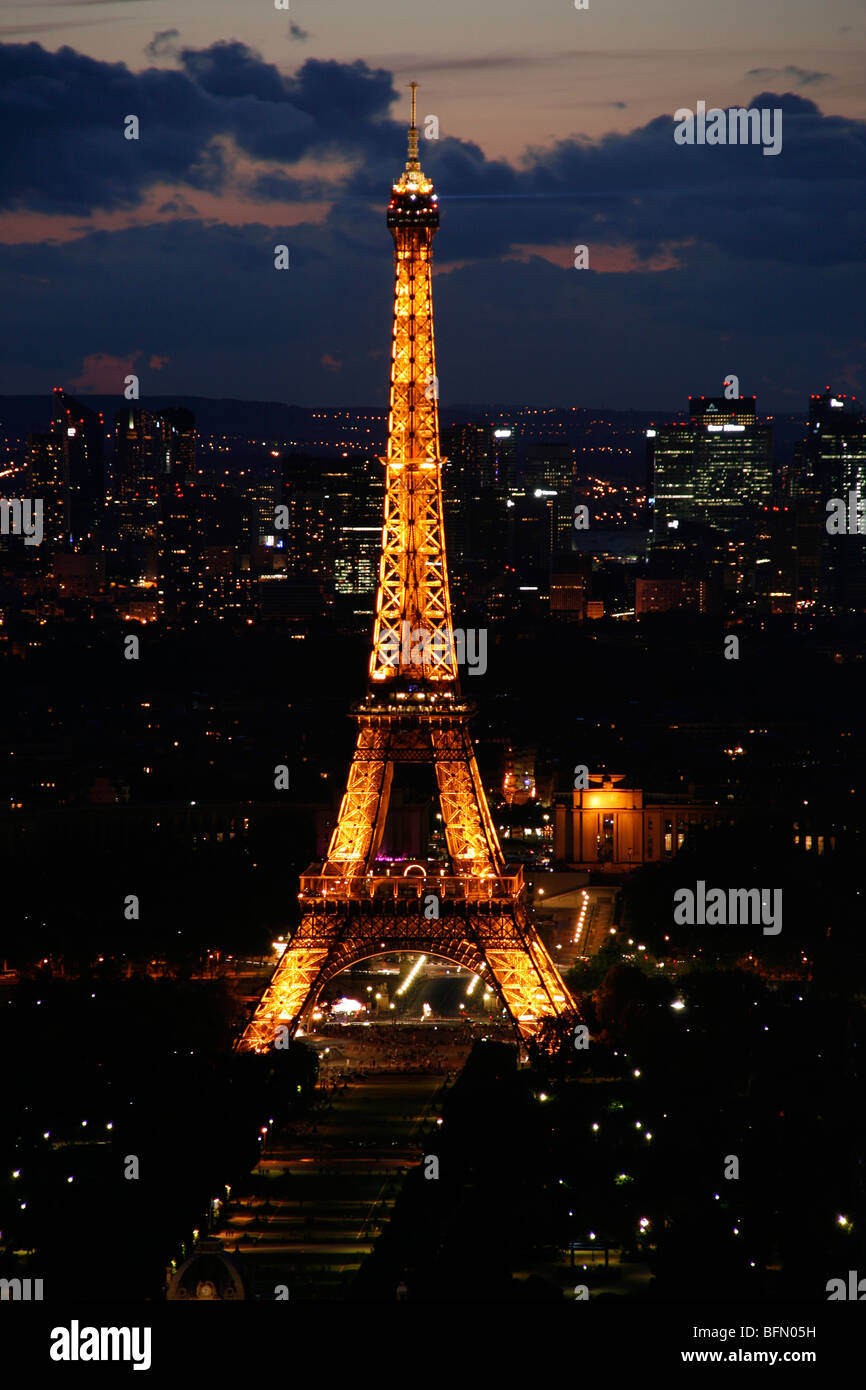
(469, 910)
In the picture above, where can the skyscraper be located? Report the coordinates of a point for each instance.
(831, 463)
(479, 472)
(45, 463)
(548, 476)
(66, 469)
(82, 431)
(149, 448)
(733, 460)
(715, 469)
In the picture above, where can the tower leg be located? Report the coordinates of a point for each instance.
(472, 840)
(289, 989)
(363, 810)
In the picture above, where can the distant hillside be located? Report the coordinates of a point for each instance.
(618, 435)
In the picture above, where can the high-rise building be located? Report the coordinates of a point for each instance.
(831, 463)
(733, 460)
(45, 463)
(180, 528)
(715, 469)
(478, 475)
(150, 447)
(334, 521)
(670, 477)
(179, 545)
(570, 587)
(305, 537)
(548, 476)
(66, 469)
(226, 583)
(83, 433)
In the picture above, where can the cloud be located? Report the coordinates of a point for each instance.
(487, 62)
(77, 4)
(708, 253)
(229, 122)
(162, 44)
(74, 106)
(14, 31)
(802, 76)
(103, 373)
(643, 190)
(209, 297)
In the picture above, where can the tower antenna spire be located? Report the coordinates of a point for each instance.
(413, 132)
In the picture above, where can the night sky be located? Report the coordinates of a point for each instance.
(261, 127)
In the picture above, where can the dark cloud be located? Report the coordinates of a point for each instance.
(62, 116)
(485, 61)
(13, 31)
(642, 188)
(802, 76)
(279, 187)
(769, 251)
(162, 44)
(208, 298)
(636, 188)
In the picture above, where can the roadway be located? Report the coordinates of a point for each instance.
(325, 1187)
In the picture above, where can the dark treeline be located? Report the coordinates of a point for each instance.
(114, 1070)
(642, 1125)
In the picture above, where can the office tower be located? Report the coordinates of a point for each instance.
(226, 588)
(477, 477)
(149, 448)
(502, 474)
(831, 463)
(359, 535)
(180, 525)
(670, 478)
(45, 463)
(334, 521)
(531, 530)
(733, 460)
(82, 432)
(659, 595)
(569, 588)
(305, 537)
(549, 465)
(548, 476)
(179, 544)
(714, 470)
(66, 469)
(487, 454)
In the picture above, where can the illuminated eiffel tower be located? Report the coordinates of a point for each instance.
(469, 910)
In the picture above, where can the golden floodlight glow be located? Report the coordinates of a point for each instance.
(355, 905)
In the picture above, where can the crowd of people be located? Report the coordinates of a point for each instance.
(357, 1051)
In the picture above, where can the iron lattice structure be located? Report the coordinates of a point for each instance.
(470, 911)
